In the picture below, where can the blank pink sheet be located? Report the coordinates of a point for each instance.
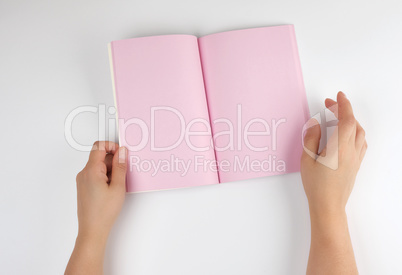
(257, 70)
(161, 72)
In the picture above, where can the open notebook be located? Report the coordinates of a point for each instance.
(197, 111)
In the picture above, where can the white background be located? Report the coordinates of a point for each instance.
(54, 58)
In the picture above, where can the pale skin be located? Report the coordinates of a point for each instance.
(328, 191)
(101, 189)
(101, 193)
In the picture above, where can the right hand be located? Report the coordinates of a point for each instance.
(328, 190)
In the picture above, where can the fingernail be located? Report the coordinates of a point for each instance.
(122, 154)
(342, 93)
(311, 122)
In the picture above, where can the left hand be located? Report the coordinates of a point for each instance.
(101, 189)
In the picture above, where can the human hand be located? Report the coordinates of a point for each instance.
(328, 190)
(101, 189)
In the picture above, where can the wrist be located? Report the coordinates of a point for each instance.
(327, 222)
(95, 239)
(326, 211)
(88, 253)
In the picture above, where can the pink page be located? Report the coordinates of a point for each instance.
(255, 73)
(162, 72)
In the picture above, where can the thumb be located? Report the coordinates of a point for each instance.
(312, 137)
(119, 168)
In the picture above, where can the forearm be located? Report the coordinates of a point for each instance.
(87, 257)
(331, 250)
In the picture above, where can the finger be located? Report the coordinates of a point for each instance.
(100, 149)
(363, 151)
(109, 161)
(332, 105)
(347, 121)
(119, 169)
(108, 164)
(345, 108)
(329, 102)
(329, 155)
(360, 136)
(312, 137)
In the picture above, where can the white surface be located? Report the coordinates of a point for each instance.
(54, 58)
